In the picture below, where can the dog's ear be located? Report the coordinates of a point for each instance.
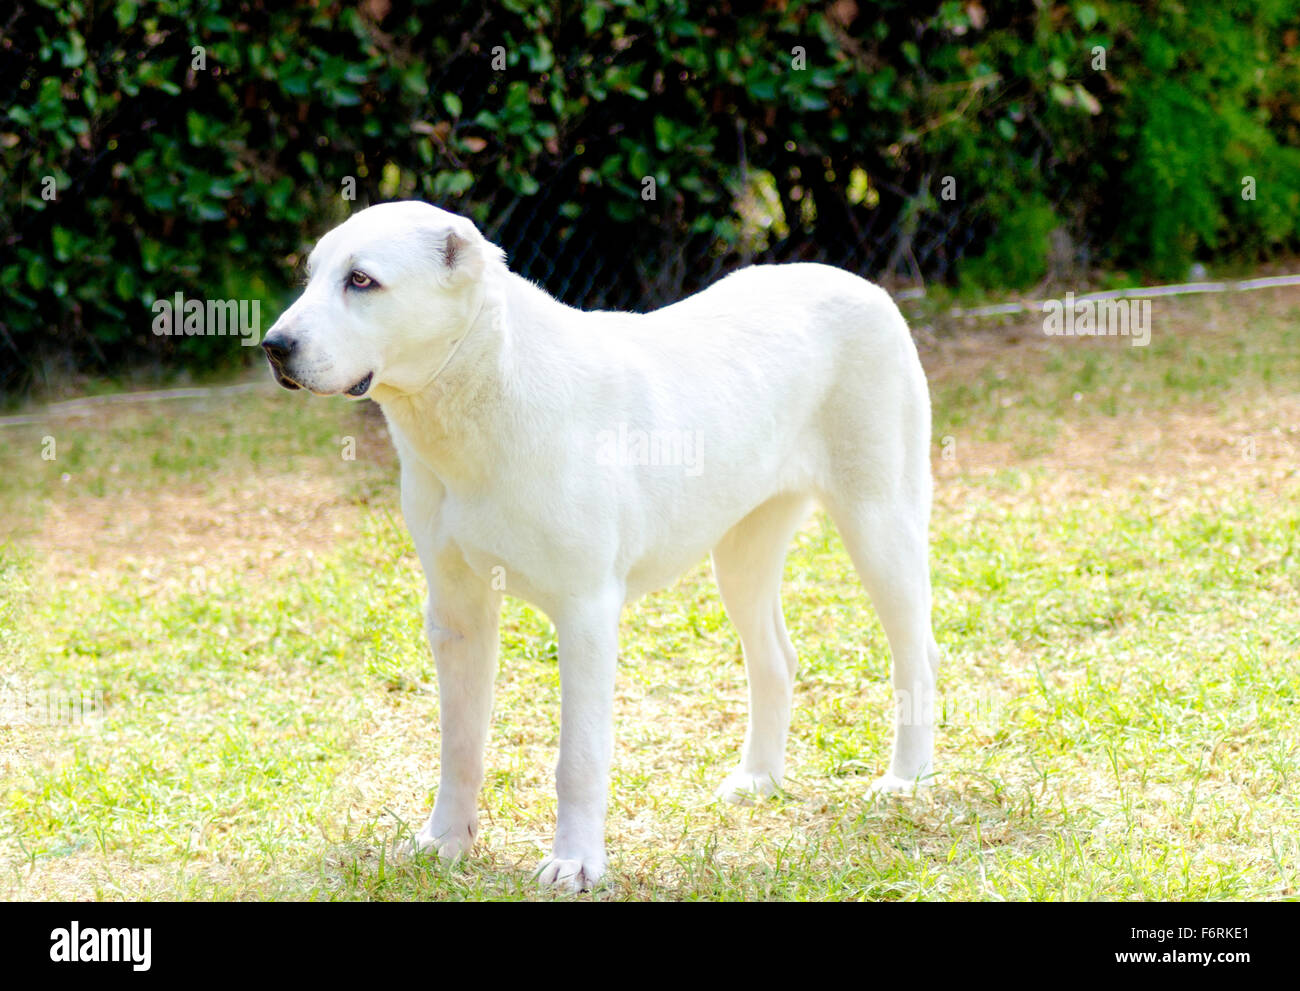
(454, 250)
(464, 253)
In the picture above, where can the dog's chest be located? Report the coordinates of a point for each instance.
(525, 547)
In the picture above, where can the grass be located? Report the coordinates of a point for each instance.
(1114, 546)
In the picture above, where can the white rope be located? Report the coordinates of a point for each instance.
(87, 405)
(1138, 292)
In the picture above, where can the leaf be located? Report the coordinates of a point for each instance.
(36, 272)
(663, 133)
(62, 240)
(161, 198)
(296, 84)
(540, 57)
(124, 13)
(522, 183)
(124, 283)
(453, 183)
(1086, 100)
(345, 96)
(73, 51)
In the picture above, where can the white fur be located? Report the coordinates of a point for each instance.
(527, 433)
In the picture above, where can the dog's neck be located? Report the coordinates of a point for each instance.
(516, 354)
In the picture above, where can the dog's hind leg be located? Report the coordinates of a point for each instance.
(887, 542)
(747, 564)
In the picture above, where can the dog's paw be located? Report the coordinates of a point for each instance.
(891, 784)
(746, 787)
(451, 844)
(572, 876)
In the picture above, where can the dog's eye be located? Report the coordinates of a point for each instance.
(360, 280)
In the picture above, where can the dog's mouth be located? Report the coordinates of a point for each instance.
(360, 388)
(283, 379)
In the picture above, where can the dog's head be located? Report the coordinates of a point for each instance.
(389, 292)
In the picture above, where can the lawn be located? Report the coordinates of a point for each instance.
(1117, 596)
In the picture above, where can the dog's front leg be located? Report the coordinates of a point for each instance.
(588, 633)
(462, 623)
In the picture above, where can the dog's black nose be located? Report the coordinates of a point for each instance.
(278, 348)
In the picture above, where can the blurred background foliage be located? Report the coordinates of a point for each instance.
(198, 146)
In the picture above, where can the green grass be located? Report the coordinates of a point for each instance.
(1203, 350)
(1116, 595)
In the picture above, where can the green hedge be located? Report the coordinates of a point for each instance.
(210, 180)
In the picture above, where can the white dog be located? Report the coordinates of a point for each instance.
(581, 459)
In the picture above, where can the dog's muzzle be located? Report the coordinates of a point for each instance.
(278, 349)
